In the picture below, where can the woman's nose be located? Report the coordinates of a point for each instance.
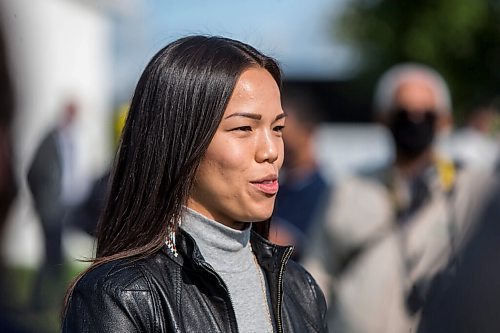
(268, 147)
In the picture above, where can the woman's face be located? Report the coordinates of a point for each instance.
(237, 179)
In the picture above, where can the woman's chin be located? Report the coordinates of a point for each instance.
(261, 217)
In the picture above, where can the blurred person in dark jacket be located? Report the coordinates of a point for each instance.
(303, 188)
(85, 215)
(387, 232)
(50, 178)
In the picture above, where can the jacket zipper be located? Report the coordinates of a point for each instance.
(233, 317)
(287, 255)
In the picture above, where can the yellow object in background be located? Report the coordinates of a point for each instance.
(119, 122)
(447, 173)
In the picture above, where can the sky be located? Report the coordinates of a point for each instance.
(296, 32)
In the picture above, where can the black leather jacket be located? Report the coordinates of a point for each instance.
(164, 293)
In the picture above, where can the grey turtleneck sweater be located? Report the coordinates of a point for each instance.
(229, 253)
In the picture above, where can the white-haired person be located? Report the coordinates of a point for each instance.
(387, 232)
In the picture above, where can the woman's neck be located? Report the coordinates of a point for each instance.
(216, 240)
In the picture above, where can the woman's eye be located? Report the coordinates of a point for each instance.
(243, 128)
(279, 128)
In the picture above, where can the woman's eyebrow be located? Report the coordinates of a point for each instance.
(280, 116)
(246, 115)
(254, 115)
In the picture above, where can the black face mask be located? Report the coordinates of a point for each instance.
(412, 136)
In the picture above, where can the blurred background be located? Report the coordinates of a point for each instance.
(90, 53)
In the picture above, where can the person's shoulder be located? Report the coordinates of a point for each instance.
(302, 281)
(476, 175)
(361, 182)
(129, 273)
(372, 180)
(379, 173)
(306, 295)
(358, 201)
(120, 295)
(474, 183)
(115, 276)
(297, 271)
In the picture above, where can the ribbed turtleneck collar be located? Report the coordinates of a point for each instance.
(223, 247)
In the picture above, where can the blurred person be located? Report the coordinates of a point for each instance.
(302, 186)
(181, 244)
(387, 232)
(465, 296)
(50, 179)
(85, 214)
(474, 145)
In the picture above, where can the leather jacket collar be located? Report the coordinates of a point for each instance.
(271, 257)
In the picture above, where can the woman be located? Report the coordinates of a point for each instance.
(196, 172)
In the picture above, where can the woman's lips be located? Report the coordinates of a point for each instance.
(267, 186)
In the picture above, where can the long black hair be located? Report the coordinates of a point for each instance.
(176, 109)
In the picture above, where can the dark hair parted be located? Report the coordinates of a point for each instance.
(176, 109)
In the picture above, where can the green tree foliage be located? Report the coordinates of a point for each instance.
(460, 38)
